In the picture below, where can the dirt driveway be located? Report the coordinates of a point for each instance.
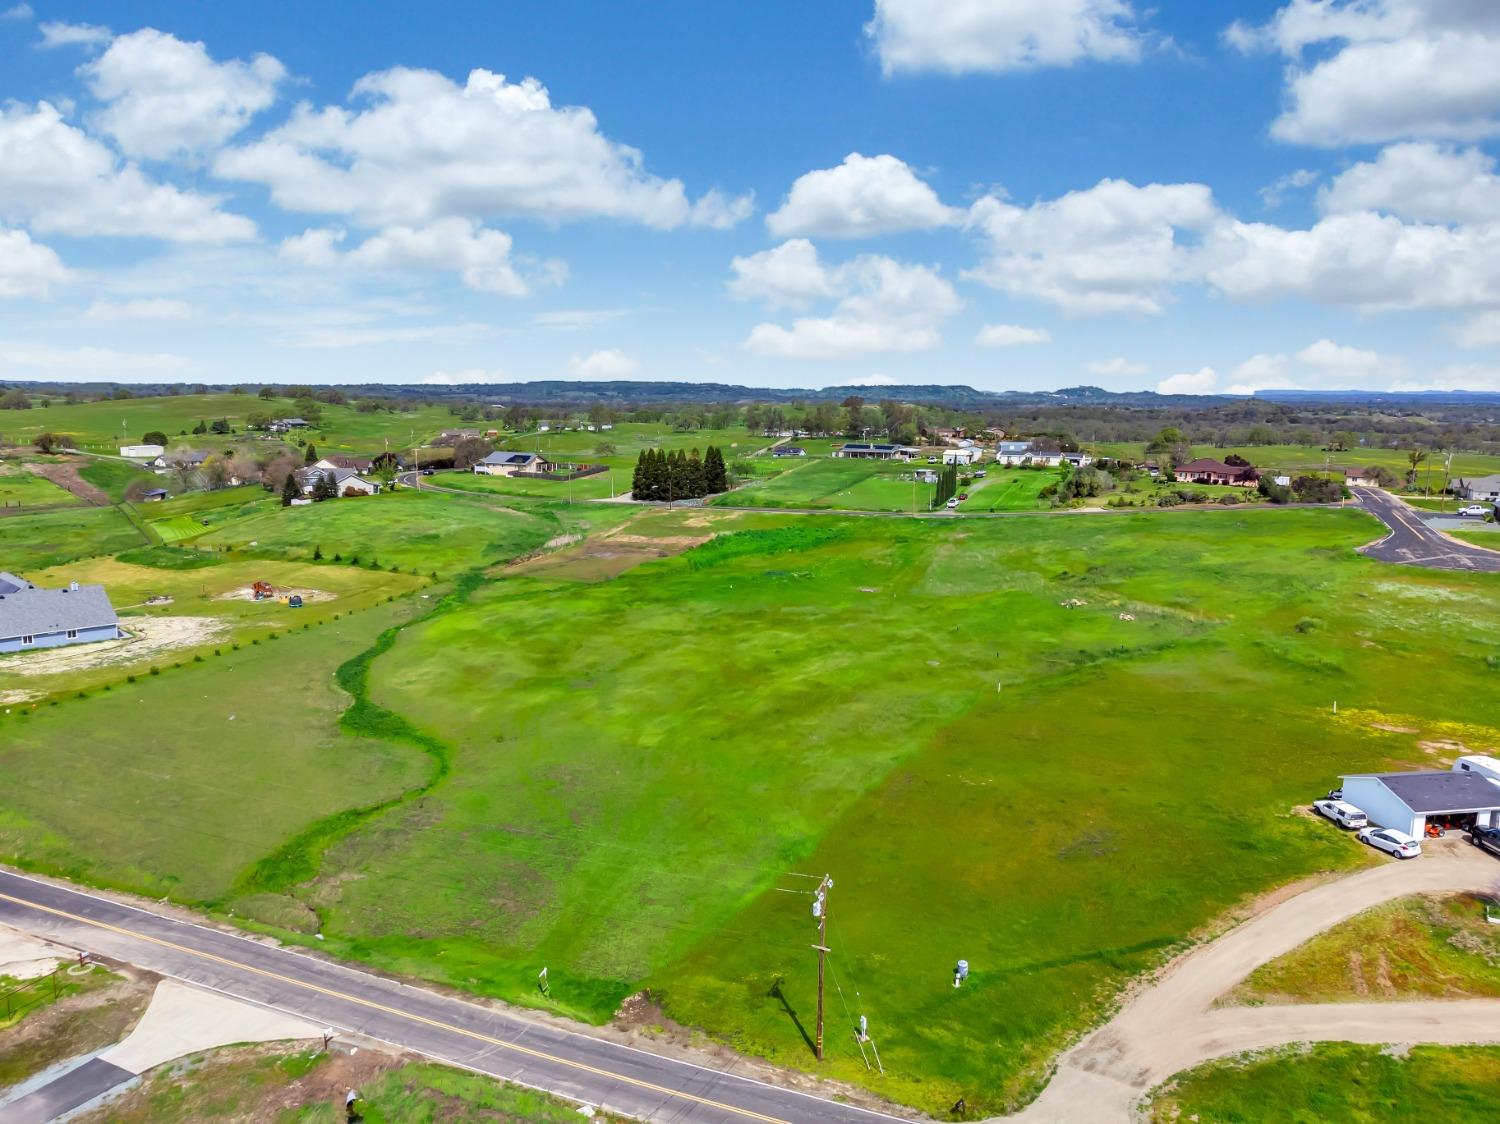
(1171, 1025)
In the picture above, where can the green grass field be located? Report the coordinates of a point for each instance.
(643, 750)
(597, 487)
(1412, 948)
(836, 483)
(177, 783)
(1336, 1081)
(47, 538)
(1297, 459)
(114, 477)
(418, 531)
(19, 488)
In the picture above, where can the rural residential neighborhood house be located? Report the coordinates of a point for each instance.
(142, 452)
(361, 465)
(1206, 470)
(1358, 478)
(1483, 488)
(344, 479)
(788, 451)
(508, 464)
(1468, 793)
(960, 456)
(51, 618)
(864, 450)
(1013, 453)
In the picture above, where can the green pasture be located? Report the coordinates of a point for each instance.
(19, 488)
(639, 763)
(421, 531)
(174, 784)
(114, 477)
(1295, 460)
(629, 439)
(45, 538)
(854, 485)
(1486, 539)
(1009, 490)
(1336, 1081)
(595, 487)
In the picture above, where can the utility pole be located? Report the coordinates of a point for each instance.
(820, 911)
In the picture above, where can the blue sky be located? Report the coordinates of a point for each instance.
(1195, 196)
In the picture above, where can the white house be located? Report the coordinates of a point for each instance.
(344, 479)
(1012, 453)
(866, 451)
(1479, 488)
(142, 452)
(1406, 801)
(960, 456)
(1359, 478)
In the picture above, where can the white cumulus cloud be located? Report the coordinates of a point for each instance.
(863, 196)
(60, 180)
(1114, 247)
(164, 97)
(1011, 335)
(27, 268)
(1420, 180)
(1202, 381)
(479, 256)
(608, 363)
(416, 148)
(58, 34)
(991, 36)
(882, 304)
(1365, 71)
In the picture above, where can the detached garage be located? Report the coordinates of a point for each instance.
(1406, 801)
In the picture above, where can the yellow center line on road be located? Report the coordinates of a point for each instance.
(527, 1051)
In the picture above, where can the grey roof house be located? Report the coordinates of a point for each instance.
(1478, 488)
(51, 618)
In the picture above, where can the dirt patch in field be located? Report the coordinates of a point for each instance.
(75, 1024)
(1393, 729)
(147, 636)
(66, 476)
(603, 557)
(247, 593)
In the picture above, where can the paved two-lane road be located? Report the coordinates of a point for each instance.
(504, 1044)
(1412, 542)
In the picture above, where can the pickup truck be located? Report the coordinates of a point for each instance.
(1474, 509)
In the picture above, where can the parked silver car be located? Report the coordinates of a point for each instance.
(1392, 841)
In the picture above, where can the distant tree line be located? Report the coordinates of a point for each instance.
(677, 475)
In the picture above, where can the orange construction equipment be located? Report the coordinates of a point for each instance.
(263, 591)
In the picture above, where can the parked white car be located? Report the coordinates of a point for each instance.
(1395, 842)
(1474, 509)
(952, 503)
(1341, 813)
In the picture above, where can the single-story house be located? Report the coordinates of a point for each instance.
(1012, 452)
(1406, 801)
(155, 495)
(142, 452)
(51, 618)
(508, 464)
(1358, 478)
(1483, 488)
(283, 425)
(449, 436)
(1206, 470)
(361, 465)
(942, 434)
(960, 456)
(865, 450)
(344, 479)
(1282, 481)
(788, 451)
(1078, 460)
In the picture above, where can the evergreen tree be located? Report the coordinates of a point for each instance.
(715, 472)
(325, 488)
(638, 480)
(312, 455)
(658, 485)
(290, 490)
(694, 483)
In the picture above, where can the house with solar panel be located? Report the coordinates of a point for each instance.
(508, 464)
(53, 618)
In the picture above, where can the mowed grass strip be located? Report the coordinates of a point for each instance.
(175, 783)
(1336, 1081)
(1413, 948)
